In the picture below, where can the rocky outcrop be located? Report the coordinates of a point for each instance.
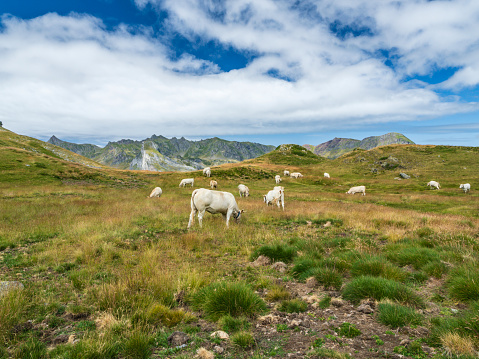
(339, 146)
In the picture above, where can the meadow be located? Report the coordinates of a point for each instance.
(110, 273)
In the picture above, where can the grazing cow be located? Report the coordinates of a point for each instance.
(243, 190)
(207, 171)
(213, 184)
(286, 173)
(155, 193)
(186, 181)
(278, 179)
(275, 195)
(433, 184)
(465, 187)
(326, 175)
(296, 175)
(357, 189)
(205, 200)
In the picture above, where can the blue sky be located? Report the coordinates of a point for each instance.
(269, 71)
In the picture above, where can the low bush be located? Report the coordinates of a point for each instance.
(277, 253)
(277, 292)
(329, 278)
(380, 288)
(232, 325)
(463, 284)
(233, 298)
(418, 257)
(377, 267)
(293, 306)
(395, 315)
(348, 330)
(243, 339)
(435, 269)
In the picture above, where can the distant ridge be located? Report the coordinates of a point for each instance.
(159, 153)
(339, 146)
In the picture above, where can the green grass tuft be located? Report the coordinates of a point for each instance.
(293, 306)
(277, 253)
(380, 288)
(395, 315)
(233, 298)
(463, 284)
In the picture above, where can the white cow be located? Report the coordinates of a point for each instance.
(186, 181)
(357, 189)
(155, 193)
(205, 200)
(207, 171)
(296, 175)
(433, 184)
(243, 190)
(278, 179)
(465, 187)
(275, 195)
(326, 175)
(286, 173)
(213, 184)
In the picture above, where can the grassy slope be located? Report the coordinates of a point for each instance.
(87, 240)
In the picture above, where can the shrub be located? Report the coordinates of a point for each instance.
(277, 292)
(231, 325)
(277, 253)
(377, 267)
(236, 299)
(303, 266)
(325, 302)
(348, 330)
(293, 306)
(463, 284)
(416, 256)
(435, 269)
(380, 288)
(329, 278)
(395, 316)
(243, 339)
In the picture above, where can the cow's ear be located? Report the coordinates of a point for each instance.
(242, 211)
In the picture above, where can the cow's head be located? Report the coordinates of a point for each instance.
(237, 215)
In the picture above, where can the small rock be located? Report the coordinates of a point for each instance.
(365, 308)
(327, 224)
(280, 267)
(309, 223)
(71, 339)
(269, 319)
(405, 342)
(310, 299)
(261, 261)
(178, 338)
(311, 282)
(294, 323)
(337, 302)
(203, 353)
(405, 176)
(220, 335)
(6, 286)
(218, 349)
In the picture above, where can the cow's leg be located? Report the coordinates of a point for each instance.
(192, 217)
(228, 215)
(200, 217)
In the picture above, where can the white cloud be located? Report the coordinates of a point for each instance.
(71, 76)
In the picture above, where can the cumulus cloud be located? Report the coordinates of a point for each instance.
(320, 65)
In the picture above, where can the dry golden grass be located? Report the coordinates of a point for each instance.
(455, 345)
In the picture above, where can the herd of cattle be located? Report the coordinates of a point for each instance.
(205, 200)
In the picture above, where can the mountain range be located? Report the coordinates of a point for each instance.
(159, 153)
(339, 146)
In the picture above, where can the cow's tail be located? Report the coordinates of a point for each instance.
(192, 199)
